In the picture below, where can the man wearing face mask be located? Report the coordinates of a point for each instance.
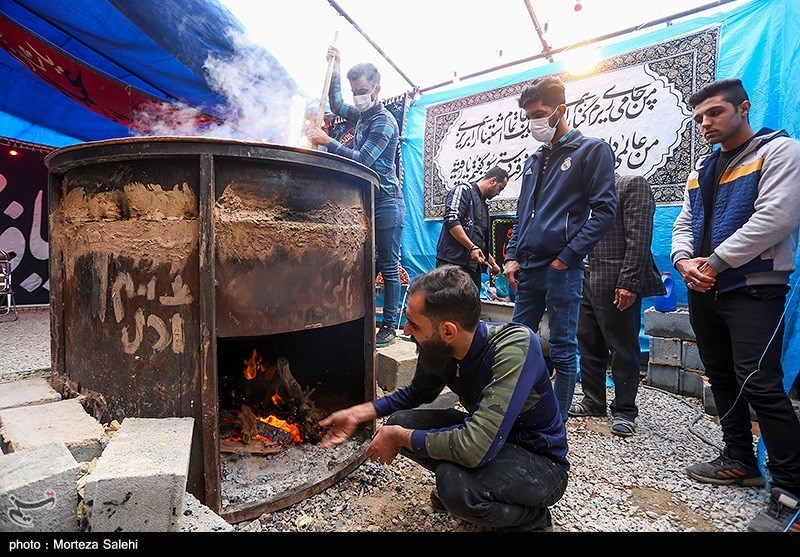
(374, 145)
(567, 203)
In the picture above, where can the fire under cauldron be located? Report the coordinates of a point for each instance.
(228, 281)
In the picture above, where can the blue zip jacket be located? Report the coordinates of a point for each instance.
(564, 215)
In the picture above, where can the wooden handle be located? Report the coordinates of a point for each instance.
(326, 87)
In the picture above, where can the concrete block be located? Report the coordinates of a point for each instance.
(690, 356)
(671, 324)
(710, 407)
(196, 517)
(139, 482)
(395, 365)
(691, 383)
(57, 422)
(665, 351)
(38, 491)
(27, 392)
(664, 377)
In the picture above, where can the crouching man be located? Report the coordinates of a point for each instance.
(501, 463)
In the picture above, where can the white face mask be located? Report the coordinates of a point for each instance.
(541, 129)
(364, 102)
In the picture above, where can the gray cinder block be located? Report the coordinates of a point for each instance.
(665, 351)
(672, 324)
(57, 422)
(691, 383)
(139, 482)
(664, 377)
(27, 392)
(38, 491)
(690, 356)
(395, 365)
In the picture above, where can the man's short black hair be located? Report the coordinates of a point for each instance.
(547, 90)
(495, 172)
(366, 69)
(731, 90)
(450, 295)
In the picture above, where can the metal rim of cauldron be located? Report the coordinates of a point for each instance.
(110, 150)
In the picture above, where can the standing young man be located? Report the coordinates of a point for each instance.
(501, 463)
(620, 271)
(375, 145)
(566, 204)
(464, 239)
(734, 244)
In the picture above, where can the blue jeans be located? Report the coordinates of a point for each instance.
(558, 292)
(390, 216)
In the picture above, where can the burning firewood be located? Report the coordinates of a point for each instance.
(300, 406)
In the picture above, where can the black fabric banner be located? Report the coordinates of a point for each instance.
(23, 219)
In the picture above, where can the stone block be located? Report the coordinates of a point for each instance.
(671, 324)
(664, 377)
(665, 351)
(64, 422)
(690, 356)
(196, 517)
(395, 365)
(38, 490)
(691, 383)
(139, 482)
(26, 392)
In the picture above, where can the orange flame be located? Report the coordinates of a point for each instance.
(291, 429)
(253, 366)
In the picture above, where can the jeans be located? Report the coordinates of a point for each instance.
(735, 338)
(603, 328)
(512, 491)
(559, 293)
(390, 216)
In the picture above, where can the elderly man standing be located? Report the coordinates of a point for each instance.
(620, 271)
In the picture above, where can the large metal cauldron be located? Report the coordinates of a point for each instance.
(160, 246)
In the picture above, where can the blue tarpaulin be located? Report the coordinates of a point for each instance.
(156, 46)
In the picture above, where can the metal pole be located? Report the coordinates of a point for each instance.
(545, 47)
(342, 13)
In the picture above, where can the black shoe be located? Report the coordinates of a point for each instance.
(386, 335)
(782, 514)
(725, 471)
(436, 503)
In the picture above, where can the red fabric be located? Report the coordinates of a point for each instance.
(85, 85)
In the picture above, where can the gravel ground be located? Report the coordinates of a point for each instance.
(634, 484)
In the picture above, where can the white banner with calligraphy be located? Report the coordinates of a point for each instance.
(636, 102)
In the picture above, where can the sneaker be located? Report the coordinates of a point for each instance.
(782, 514)
(725, 471)
(386, 336)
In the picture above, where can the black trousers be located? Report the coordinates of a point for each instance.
(511, 492)
(474, 273)
(607, 334)
(740, 340)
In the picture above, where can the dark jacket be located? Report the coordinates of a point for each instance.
(565, 213)
(622, 258)
(461, 205)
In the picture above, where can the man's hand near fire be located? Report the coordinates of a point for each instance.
(342, 424)
(387, 442)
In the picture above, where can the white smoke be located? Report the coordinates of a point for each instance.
(260, 104)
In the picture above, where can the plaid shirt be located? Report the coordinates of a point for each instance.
(622, 258)
(376, 138)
